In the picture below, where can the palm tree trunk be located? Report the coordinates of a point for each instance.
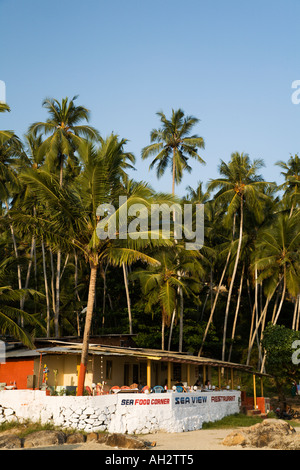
(295, 313)
(181, 320)
(163, 332)
(282, 295)
(233, 278)
(87, 329)
(22, 303)
(76, 294)
(173, 173)
(125, 274)
(298, 316)
(46, 289)
(15, 249)
(171, 329)
(217, 293)
(261, 319)
(236, 312)
(57, 295)
(215, 303)
(52, 281)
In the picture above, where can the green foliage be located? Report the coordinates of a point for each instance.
(278, 343)
(50, 187)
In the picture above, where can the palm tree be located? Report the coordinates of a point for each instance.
(13, 320)
(239, 188)
(292, 180)
(276, 259)
(66, 135)
(65, 132)
(162, 284)
(173, 145)
(5, 134)
(277, 256)
(71, 221)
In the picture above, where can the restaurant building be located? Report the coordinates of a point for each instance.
(114, 360)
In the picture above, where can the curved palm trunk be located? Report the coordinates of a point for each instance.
(125, 274)
(295, 313)
(233, 278)
(260, 320)
(173, 173)
(57, 294)
(215, 303)
(171, 329)
(180, 320)
(282, 295)
(46, 289)
(163, 332)
(298, 315)
(236, 312)
(87, 329)
(217, 293)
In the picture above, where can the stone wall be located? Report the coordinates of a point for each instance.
(122, 413)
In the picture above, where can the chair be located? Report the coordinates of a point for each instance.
(125, 387)
(145, 388)
(88, 389)
(115, 389)
(134, 386)
(158, 389)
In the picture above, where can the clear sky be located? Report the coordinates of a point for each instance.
(229, 63)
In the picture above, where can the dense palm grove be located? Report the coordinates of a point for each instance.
(57, 278)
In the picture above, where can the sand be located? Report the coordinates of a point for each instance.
(186, 441)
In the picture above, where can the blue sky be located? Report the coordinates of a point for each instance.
(229, 63)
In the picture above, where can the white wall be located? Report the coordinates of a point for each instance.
(132, 413)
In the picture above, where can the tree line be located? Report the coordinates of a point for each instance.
(57, 278)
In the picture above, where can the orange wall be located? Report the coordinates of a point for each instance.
(16, 370)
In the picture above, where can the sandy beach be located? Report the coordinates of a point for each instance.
(207, 440)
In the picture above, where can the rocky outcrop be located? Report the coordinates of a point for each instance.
(10, 441)
(44, 439)
(49, 438)
(271, 433)
(121, 441)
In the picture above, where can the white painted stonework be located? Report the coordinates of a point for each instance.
(132, 413)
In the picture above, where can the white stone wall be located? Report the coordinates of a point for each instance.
(132, 413)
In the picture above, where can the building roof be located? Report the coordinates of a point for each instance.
(66, 347)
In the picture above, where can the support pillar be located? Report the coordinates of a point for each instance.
(169, 375)
(149, 373)
(254, 391)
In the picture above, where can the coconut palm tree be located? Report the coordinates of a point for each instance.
(173, 145)
(71, 220)
(292, 180)
(239, 189)
(5, 134)
(162, 284)
(66, 134)
(276, 259)
(277, 256)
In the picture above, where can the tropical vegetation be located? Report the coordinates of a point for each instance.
(58, 277)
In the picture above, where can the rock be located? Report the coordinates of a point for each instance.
(75, 438)
(10, 441)
(44, 438)
(235, 438)
(123, 441)
(92, 436)
(273, 433)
